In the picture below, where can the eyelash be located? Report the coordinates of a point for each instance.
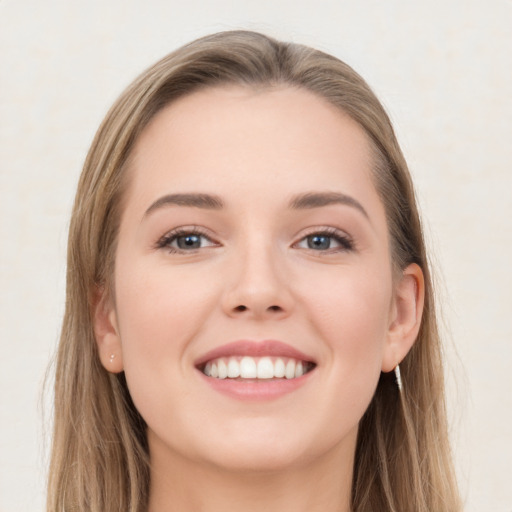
(166, 241)
(346, 244)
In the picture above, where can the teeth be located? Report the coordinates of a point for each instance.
(233, 368)
(248, 369)
(265, 368)
(279, 368)
(255, 368)
(223, 369)
(289, 372)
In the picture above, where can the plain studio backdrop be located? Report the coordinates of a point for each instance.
(443, 70)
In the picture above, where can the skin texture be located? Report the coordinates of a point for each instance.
(254, 278)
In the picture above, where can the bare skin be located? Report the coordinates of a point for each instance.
(190, 488)
(251, 215)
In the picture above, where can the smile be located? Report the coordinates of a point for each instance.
(247, 367)
(256, 370)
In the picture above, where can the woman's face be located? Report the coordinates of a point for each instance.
(252, 243)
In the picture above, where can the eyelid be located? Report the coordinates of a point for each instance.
(345, 241)
(164, 241)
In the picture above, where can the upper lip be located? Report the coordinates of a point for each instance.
(254, 349)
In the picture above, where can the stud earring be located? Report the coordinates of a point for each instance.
(398, 378)
(112, 357)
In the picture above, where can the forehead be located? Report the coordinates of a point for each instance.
(231, 140)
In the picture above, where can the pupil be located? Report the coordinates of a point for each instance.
(189, 242)
(319, 242)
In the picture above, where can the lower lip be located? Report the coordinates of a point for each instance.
(257, 390)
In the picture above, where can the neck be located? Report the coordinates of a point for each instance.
(183, 485)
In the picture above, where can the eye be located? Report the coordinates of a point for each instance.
(185, 240)
(330, 240)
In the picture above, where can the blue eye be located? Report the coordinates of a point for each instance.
(184, 241)
(326, 241)
(318, 242)
(189, 241)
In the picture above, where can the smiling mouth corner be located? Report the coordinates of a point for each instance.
(256, 368)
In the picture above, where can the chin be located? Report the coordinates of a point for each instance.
(259, 458)
(268, 447)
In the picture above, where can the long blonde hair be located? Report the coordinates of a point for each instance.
(100, 457)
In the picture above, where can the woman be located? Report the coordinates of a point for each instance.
(246, 273)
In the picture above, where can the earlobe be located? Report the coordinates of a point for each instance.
(405, 321)
(106, 332)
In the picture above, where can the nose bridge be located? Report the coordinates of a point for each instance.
(258, 286)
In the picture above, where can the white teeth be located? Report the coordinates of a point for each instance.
(255, 368)
(265, 368)
(248, 369)
(223, 369)
(233, 368)
(289, 372)
(279, 368)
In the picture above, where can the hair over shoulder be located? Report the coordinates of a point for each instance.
(99, 459)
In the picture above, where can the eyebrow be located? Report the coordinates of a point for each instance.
(204, 201)
(305, 201)
(319, 199)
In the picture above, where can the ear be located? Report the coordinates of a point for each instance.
(106, 332)
(405, 318)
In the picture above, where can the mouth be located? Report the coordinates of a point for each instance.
(256, 369)
(251, 368)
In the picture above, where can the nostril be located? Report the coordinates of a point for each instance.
(240, 308)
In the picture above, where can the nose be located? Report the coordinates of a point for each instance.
(258, 287)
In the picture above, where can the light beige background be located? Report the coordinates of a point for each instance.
(443, 68)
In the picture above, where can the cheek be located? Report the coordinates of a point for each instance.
(160, 310)
(355, 298)
(351, 313)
